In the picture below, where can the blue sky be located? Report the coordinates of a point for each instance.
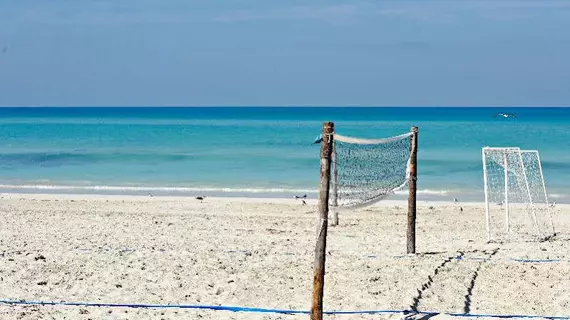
(259, 52)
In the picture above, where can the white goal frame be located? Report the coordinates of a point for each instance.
(541, 233)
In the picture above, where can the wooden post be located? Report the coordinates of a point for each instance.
(335, 187)
(320, 248)
(411, 245)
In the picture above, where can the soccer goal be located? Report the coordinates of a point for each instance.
(516, 202)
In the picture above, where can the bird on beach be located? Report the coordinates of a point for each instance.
(552, 205)
(455, 200)
(304, 203)
(150, 194)
(460, 209)
(201, 198)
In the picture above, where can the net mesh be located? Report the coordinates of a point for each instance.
(516, 195)
(537, 188)
(366, 171)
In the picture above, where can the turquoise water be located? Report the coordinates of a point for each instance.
(257, 151)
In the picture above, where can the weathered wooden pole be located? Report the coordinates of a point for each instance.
(320, 248)
(335, 187)
(411, 245)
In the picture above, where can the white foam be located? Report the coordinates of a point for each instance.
(557, 196)
(151, 188)
(86, 188)
(426, 191)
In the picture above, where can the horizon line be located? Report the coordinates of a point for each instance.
(281, 106)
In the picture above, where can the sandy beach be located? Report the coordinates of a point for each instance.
(259, 253)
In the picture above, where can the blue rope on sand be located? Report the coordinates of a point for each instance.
(537, 260)
(265, 310)
(373, 256)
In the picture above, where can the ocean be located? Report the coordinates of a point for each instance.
(259, 151)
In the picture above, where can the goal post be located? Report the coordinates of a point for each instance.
(515, 194)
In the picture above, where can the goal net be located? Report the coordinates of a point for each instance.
(366, 171)
(516, 203)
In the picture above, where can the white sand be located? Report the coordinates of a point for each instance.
(166, 250)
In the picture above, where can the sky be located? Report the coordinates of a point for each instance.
(259, 52)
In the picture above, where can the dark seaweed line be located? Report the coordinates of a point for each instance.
(416, 300)
(467, 306)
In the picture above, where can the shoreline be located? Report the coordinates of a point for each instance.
(228, 200)
(427, 194)
(441, 192)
